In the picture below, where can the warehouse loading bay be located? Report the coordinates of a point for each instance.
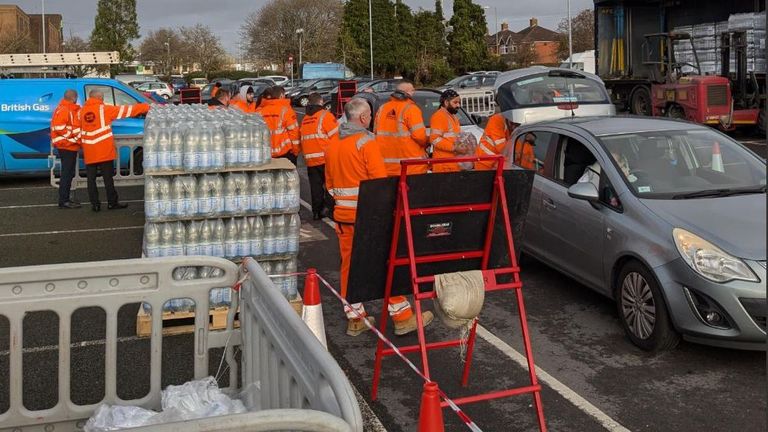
(593, 378)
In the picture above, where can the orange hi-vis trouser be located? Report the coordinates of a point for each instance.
(399, 307)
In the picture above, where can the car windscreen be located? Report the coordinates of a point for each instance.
(551, 88)
(685, 164)
(454, 81)
(430, 102)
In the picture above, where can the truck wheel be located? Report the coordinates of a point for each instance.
(640, 102)
(676, 112)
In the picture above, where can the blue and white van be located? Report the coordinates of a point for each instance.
(26, 108)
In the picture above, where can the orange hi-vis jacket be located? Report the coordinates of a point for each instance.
(524, 155)
(65, 128)
(96, 128)
(353, 156)
(282, 122)
(493, 141)
(317, 130)
(244, 106)
(401, 134)
(444, 127)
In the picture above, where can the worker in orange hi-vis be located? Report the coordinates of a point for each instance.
(318, 128)
(352, 157)
(65, 138)
(495, 136)
(400, 130)
(244, 100)
(99, 145)
(444, 128)
(221, 100)
(524, 155)
(282, 123)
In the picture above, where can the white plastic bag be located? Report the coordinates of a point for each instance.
(115, 417)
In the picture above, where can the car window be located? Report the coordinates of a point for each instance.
(547, 89)
(489, 81)
(109, 98)
(324, 84)
(574, 160)
(123, 98)
(536, 143)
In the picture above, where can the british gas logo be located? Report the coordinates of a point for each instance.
(24, 107)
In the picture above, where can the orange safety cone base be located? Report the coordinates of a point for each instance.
(431, 415)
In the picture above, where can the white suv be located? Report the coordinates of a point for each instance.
(278, 79)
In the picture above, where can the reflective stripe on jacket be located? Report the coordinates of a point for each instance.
(65, 128)
(96, 128)
(401, 134)
(317, 130)
(444, 128)
(282, 122)
(493, 141)
(351, 157)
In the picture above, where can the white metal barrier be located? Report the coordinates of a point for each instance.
(480, 102)
(128, 172)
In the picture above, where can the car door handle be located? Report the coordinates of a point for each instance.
(548, 203)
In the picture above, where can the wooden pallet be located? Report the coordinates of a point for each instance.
(178, 323)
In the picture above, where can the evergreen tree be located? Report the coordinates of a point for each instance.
(468, 50)
(116, 25)
(405, 49)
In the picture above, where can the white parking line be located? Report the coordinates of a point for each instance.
(51, 205)
(566, 392)
(72, 231)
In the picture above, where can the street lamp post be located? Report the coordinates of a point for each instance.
(168, 57)
(496, 28)
(370, 33)
(43, 25)
(300, 32)
(570, 38)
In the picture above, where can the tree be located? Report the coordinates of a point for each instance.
(270, 32)
(431, 47)
(165, 48)
(468, 50)
(203, 48)
(524, 56)
(350, 53)
(115, 27)
(78, 44)
(355, 23)
(406, 41)
(582, 32)
(15, 43)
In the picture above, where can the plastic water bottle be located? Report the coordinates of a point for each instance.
(191, 158)
(163, 150)
(267, 191)
(150, 150)
(166, 239)
(291, 282)
(254, 203)
(151, 199)
(281, 235)
(244, 146)
(266, 143)
(204, 272)
(217, 194)
(294, 230)
(206, 238)
(242, 195)
(177, 197)
(269, 236)
(230, 238)
(279, 190)
(257, 156)
(292, 190)
(279, 269)
(192, 242)
(179, 237)
(201, 196)
(163, 185)
(218, 238)
(151, 240)
(231, 143)
(206, 147)
(230, 194)
(266, 266)
(244, 237)
(176, 149)
(218, 156)
(256, 238)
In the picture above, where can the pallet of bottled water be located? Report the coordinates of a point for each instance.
(195, 196)
(195, 139)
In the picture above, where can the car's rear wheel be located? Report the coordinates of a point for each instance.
(165, 96)
(642, 309)
(303, 101)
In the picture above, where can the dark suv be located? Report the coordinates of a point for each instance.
(299, 96)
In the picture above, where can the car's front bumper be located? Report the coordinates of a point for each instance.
(744, 304)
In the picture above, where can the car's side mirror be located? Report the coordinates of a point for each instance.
(584, 191)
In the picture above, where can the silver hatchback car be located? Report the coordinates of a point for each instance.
(666, 217)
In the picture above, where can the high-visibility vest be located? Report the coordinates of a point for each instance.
(317, 131)
(493, 141)
(244, 106)
(444, 128)
(351, 157)
(282, 122)
(96, 128)
(524, 155)
(400, 131)
(65, 129)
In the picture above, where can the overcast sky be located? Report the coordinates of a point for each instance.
(226, 16)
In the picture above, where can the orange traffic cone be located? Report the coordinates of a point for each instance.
(431, 415)
(717, 158)
(313, 309)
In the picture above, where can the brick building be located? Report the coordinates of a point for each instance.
(21, 32)
(13, 21)
(542, 41)
(53, 35)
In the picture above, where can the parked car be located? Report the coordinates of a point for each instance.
(278, 79)
(228, 84)
(178, 84)
(162, 89)
(428, 101)
(299, 96)
(129, 78)
(249, 81)
(295, 83)
(672, 227)
(198, 82)
(330, 100)
(474, 81)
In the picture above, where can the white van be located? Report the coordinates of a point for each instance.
(583, 61)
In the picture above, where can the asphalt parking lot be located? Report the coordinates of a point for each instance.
(593, 378)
